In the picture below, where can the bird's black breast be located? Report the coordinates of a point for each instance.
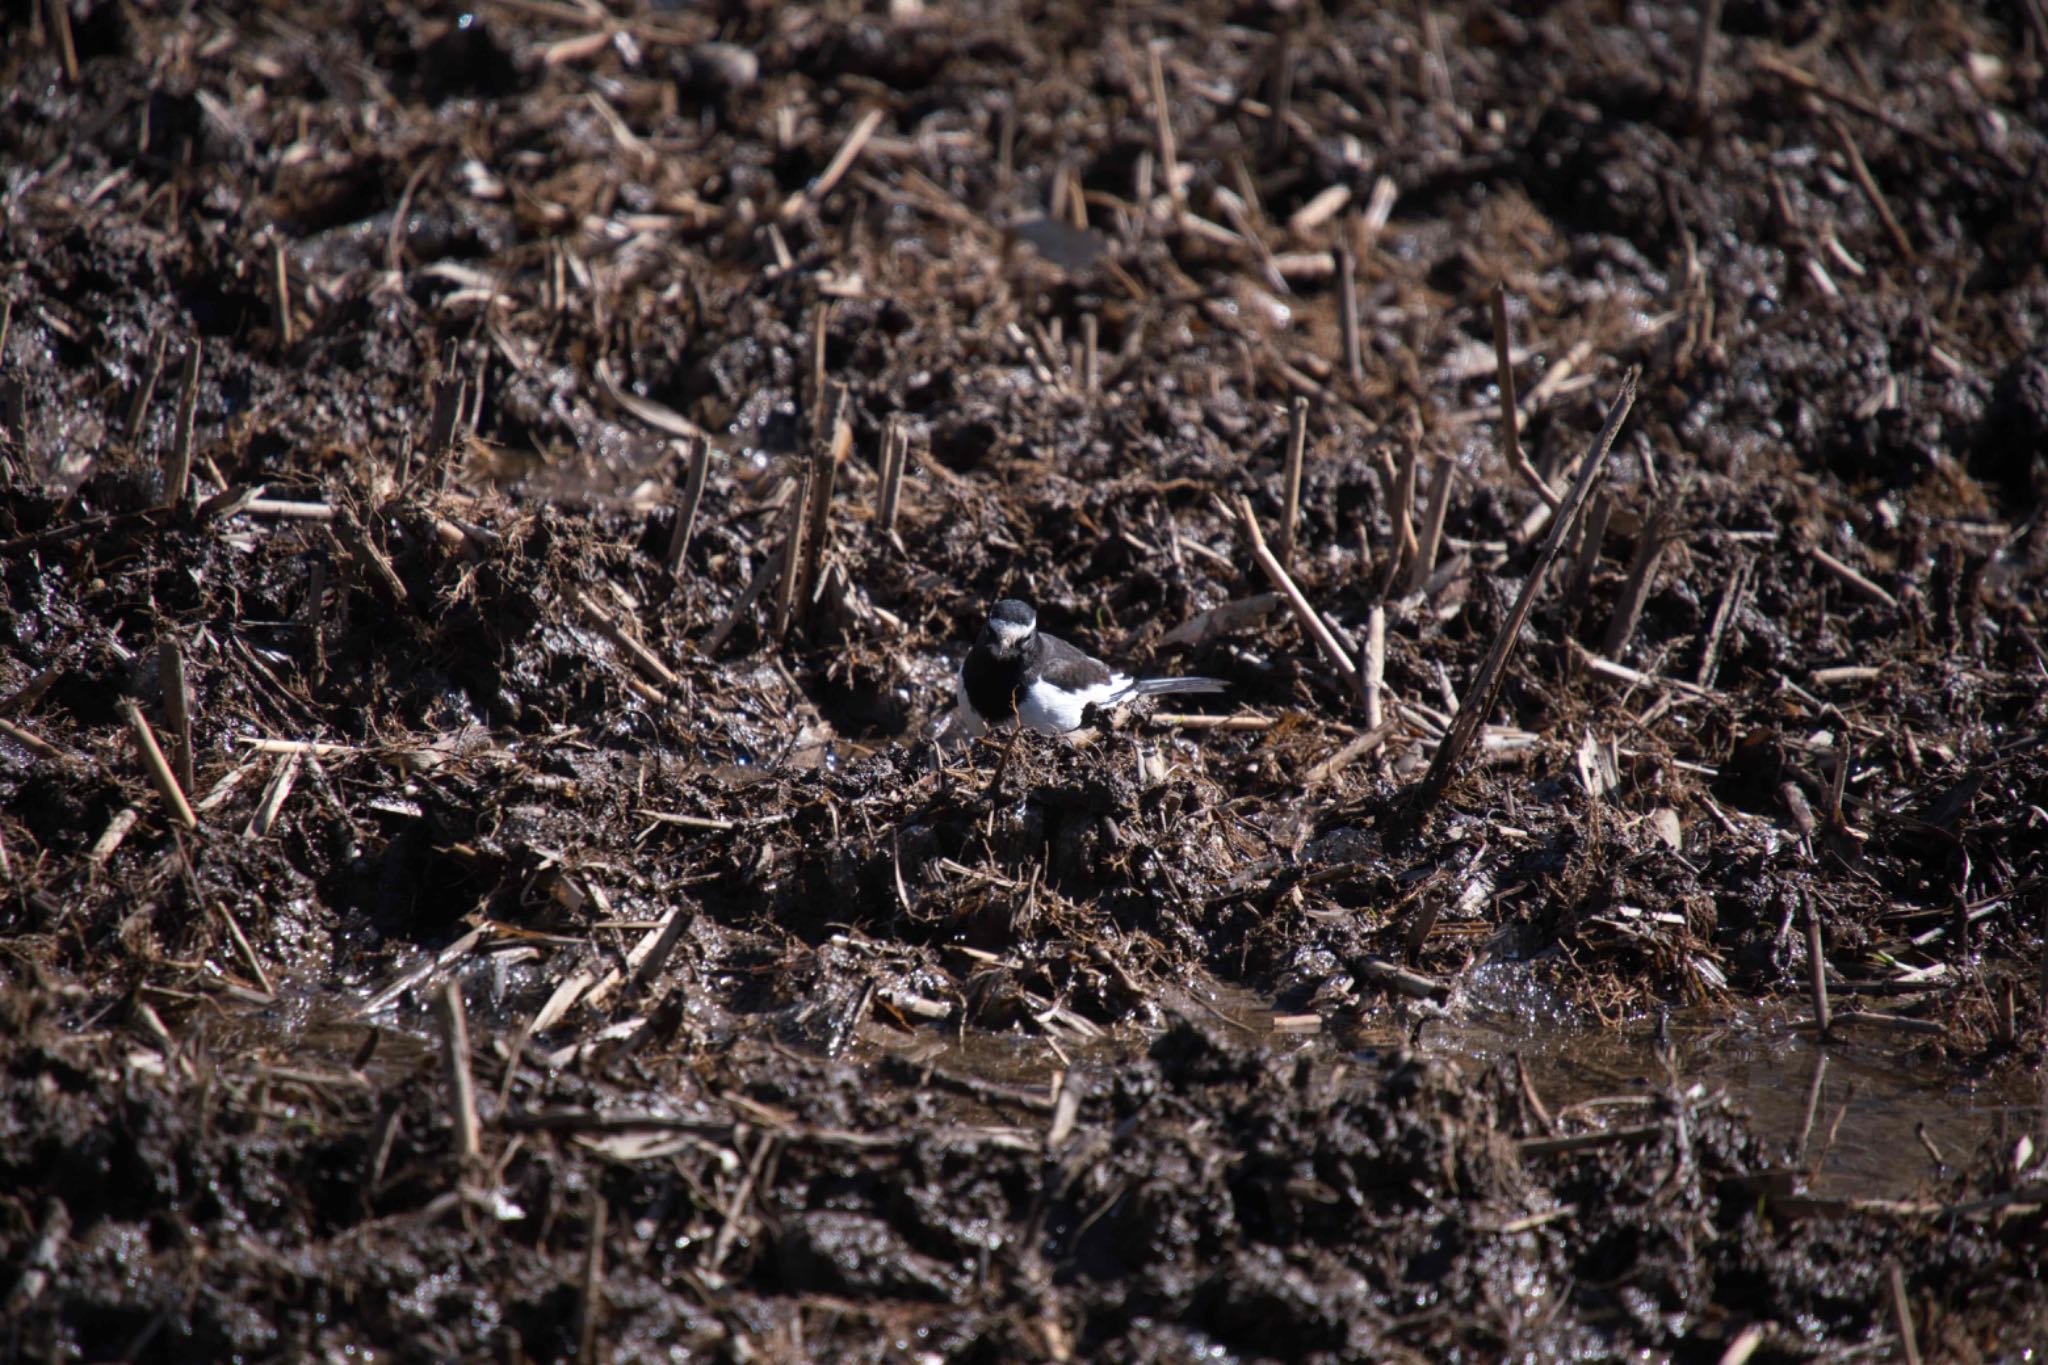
(992, 684)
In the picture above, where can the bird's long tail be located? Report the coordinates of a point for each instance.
(1153, 687)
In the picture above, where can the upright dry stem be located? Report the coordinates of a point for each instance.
(1902, 1313)
(139, 408)
(1347, 306)
(686, 508)
(1510, 418)
(455, 1060)
(792, 553)
(1592, 533)
(1442, 474)
(1162, 120)
(1297, 443)
(178, 465)
(281, 293)
(1484, 692)
(1817, 969)
(590, 1312)
(1641, 571)
(895, 459)
(821, 319)
(1375, 666)
(177, 707)
(818, 510)
(59, 14)
(1404, 510)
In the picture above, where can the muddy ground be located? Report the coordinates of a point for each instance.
(553, 935)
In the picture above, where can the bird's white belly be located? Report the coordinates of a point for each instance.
(1055, 711)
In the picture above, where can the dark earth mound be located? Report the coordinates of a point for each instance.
(532, 472)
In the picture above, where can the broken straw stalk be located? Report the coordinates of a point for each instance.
(895, 456)
(1485, 688)
(1297, 442)
(1510, 434)
(686, 509)
(817, 518)
(158, 767)
(1311, 620)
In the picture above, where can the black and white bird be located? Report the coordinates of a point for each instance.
(1017, 672)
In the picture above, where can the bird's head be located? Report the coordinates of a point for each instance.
(1011, 625)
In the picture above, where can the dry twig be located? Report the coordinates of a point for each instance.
(686, 508)
(364, 554)
(59, 14)
(1297, 442)
(178, 463)
(244, 949)
(824, 477)
(644, 659)
(1347, 315)
(770, 570)
(1592, 532)
(1485, 688)
(895, 459)
(1442, 475)
(1902, 1313)
(33, 742)
(177, 707)
(835, 169)
(1871, 192)
(1311, 620)
(139, 408)
(1852, 578)
(455, 1060)
(275, 794)
(281, 293)
(1162, 121)
(1724, 616)
(1817, 969)
(1641, 571)
(1586, 1142)
(158, 767)
(792, 551)
(1510, 424)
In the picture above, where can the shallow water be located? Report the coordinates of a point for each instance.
(1861, 1135)
(1875, 1097)
(1861, 1141)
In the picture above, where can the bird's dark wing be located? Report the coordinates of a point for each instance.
(1067, 668)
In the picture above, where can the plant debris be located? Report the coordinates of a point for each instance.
(492, 504)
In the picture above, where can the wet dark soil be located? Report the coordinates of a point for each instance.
(562, 923)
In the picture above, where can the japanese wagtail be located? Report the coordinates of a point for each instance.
(1017, 672)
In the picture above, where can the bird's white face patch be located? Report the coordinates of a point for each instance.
(1010, 634)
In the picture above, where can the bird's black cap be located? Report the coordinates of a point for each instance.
(1011, 612)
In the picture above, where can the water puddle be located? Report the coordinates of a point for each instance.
(1864, 1136)
(1859, 1114)
(1862, 1114)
